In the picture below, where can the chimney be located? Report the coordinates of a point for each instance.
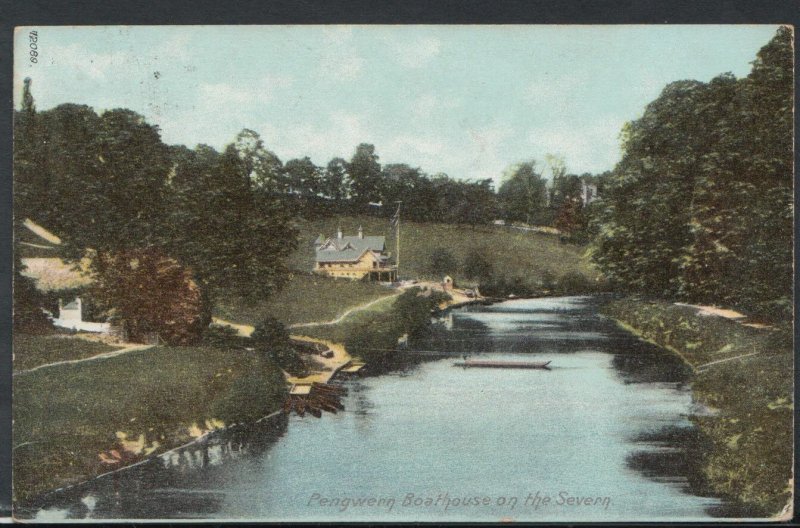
(339, 233)
(360, 232)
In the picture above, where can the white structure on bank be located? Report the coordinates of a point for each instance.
(588, 192)
(70, 316)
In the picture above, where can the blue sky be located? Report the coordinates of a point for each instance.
(464, 100)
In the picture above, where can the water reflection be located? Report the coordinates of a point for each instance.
(181, 484)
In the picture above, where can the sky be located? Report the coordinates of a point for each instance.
(464, 100)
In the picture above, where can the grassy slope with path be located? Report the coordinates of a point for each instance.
(746, 375)
(32, 351)
(306, 298)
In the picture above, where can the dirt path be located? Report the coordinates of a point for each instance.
(732, 315)
(242, 329)
(130, 347)
(343, 315)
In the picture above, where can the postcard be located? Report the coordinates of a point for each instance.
(403, 273)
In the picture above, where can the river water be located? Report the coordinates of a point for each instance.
(603, 435)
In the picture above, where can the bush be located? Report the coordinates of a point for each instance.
(272, 340)
(221, 336)
(477, 266)
(441, 262)
(572, 283)
(148, 291)
(375, 340)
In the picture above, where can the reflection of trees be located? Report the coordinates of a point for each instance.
(361, 406)
(157, 490)
(637, 361)
(675, 455)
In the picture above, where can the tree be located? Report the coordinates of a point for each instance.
(232, 235)
(147, 292)
(477, 266)
(365, 175)
(700, 206)
(441, 261)
(97, 181)
(272, 340)
(742, 214)
(304, 177)
(263, 166)
(522, 194)
(336, 181)
(647, 213)
(27, 302)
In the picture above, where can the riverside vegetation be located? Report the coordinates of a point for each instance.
(745, 376)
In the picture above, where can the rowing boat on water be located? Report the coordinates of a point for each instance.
(502, 364)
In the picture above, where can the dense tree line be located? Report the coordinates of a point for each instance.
(111, 189)
(700, 206)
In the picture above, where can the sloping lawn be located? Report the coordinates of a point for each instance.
(34, 350)
(306, 298)
(338, 332)
(531, 256)
(64, 416)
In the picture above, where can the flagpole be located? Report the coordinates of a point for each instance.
(397, 240)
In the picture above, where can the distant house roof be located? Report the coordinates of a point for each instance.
(348, 248)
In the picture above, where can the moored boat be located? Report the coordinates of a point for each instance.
(478, 363)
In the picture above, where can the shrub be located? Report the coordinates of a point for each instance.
(147, 291)
(477, 266)
(375, 340)
(441, 262)
(272, 340)
(221, 336)
(574, 283)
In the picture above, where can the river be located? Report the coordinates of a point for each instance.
(603, 435)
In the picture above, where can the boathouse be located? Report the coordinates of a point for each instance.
(354, 257)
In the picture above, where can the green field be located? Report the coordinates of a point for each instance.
(305, 298)
(531, 256)
(64, 416)
(338, 332)
(749, 384)
(34, 350)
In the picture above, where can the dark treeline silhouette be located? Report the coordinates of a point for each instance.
(700, 206)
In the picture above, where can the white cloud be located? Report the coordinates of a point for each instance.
(548, 91)
(415, 150)
(487, 148)
(418, 53)
(340, 60)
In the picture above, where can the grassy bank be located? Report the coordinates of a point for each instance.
(306, 297)
(66, 416)
(34, 350)
(746, 375)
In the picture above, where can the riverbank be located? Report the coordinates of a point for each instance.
(73, 422)
(745, 375)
